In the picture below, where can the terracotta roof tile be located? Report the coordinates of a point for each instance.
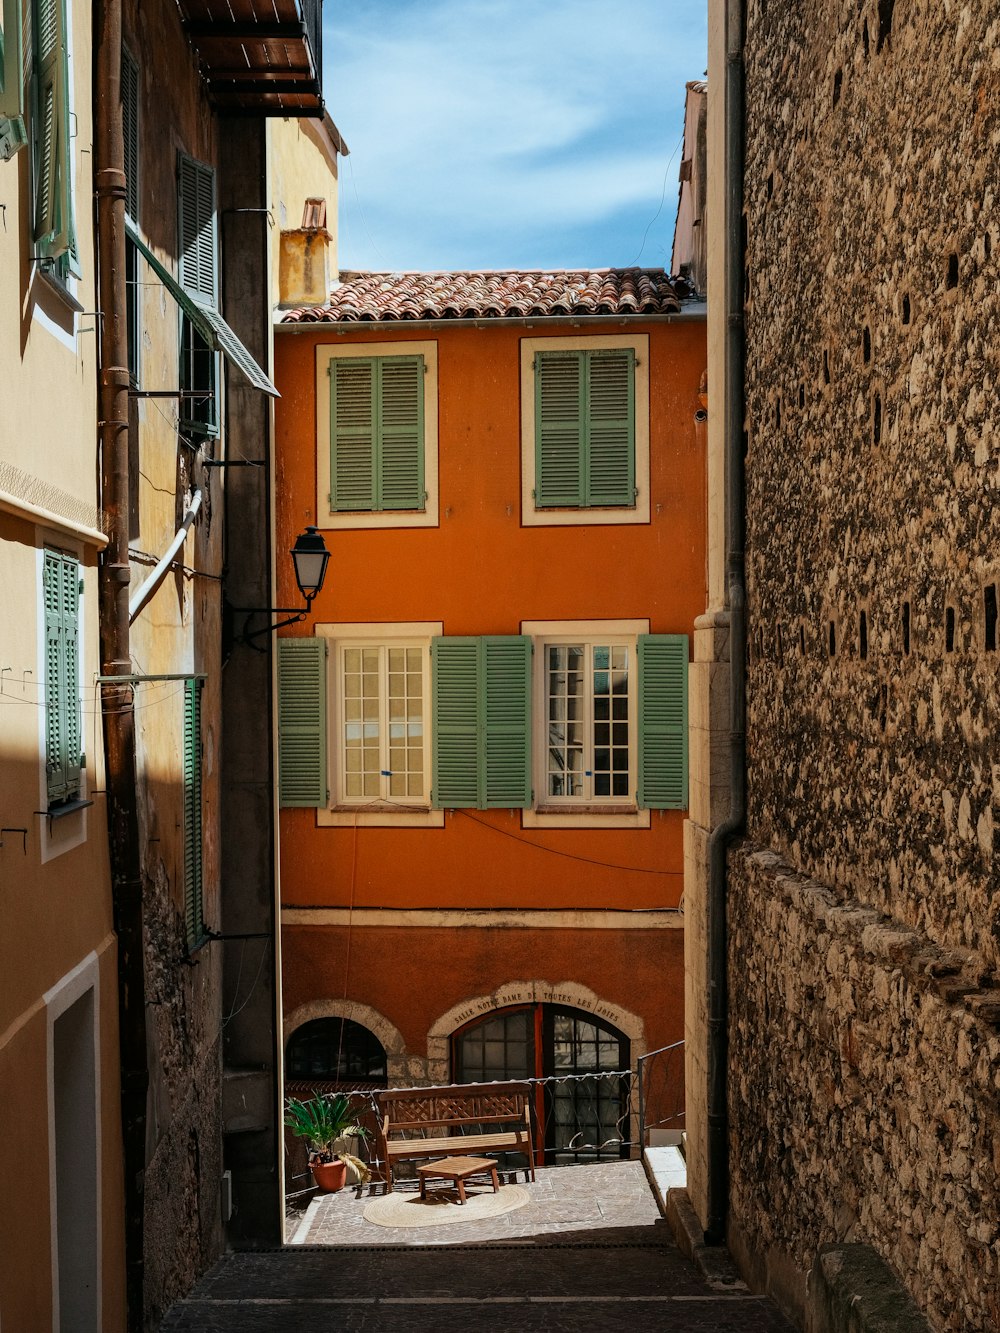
(517, 294)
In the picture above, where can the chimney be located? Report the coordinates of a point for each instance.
(304, 259)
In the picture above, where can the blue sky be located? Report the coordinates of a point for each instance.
(509, 133)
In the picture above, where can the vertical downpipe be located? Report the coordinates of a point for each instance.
(723, 835)
(116, 699)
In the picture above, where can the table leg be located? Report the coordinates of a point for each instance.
(495, 1178)
(461, 1190)
(423, 1188)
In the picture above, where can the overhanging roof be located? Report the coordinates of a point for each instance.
(209, 323)
(259, 57)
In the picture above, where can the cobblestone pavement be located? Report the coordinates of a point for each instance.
(591, 1257)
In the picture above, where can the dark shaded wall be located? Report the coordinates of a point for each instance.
(864, 910)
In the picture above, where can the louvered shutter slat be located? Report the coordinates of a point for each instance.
(506, 666)
(401, 433)
(302, 722)
(663, 721)
(558, 424)
(353, 418)
(196, 225)
(130, 128)
(61, 594)
(456, 712)
(11, 57)
(611, 429)
(193, 854)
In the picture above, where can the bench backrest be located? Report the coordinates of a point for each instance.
(461, 1103)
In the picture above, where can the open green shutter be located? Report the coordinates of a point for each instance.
(353, 417)
(130, 132)
(196, 226)
(663, 721)
(559, 416)
(194, 924)
(53, 229)
(610, 435)
(61, 595)
(506, 747)
(302, 722)
(12, 131)
(456, 712)
(400, 448)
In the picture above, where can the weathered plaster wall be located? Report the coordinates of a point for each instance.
(872, 473)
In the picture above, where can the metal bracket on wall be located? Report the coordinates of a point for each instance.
(24, 837)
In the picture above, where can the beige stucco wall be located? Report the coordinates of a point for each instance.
(303, 164)
(55, 895)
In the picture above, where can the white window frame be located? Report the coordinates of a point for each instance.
(328, 518)
(578, 812)
(365, 812)
(530, 347)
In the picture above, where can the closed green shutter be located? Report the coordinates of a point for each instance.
(302, 722)
(585, 429)
(53, 230)
(194, 924)
(377, 433)
(353, 418)
(482, 722)
(196, 227)
(610, 439)
(130, 132)
(663, 721)
(61, 595)
(559, 415)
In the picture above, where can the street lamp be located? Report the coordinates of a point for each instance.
(310, 558)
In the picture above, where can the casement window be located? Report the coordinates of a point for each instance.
(54, 230)
(377, 433)
(13, 134)
(585, 430)
(611, 729)
(63, 736)
(130, 128)
(198, 274)
(562, 721)
(194, 925)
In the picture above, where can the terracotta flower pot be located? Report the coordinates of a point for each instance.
(329, 1176)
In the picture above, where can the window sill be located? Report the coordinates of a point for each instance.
(380, 817)
(58, 289)
(585, 816)
(382, 518)
(537, 518)
(67, 808)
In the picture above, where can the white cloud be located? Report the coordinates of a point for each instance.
(503, 120)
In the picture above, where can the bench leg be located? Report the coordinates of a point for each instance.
(495, 1178)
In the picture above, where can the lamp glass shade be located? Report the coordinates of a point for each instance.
(310, 557)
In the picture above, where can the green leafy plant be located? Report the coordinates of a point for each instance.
(322, 1121)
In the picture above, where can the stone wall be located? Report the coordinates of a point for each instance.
(873, 470)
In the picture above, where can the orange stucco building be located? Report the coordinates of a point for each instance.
(483, 718)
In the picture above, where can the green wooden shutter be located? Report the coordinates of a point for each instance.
(53, 229)
(482, 722)
(302, 722)
(610, 436)
(193, 885)
(61, 596)
(130, 129)
(12, 132)
(353, 417)
(559, 416)
(663, 721)
(196, 225)
(400, 447)
(456, 712)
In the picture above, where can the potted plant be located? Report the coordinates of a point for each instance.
(324, 1122)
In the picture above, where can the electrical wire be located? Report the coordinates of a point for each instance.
(663, 196)
(573, 856)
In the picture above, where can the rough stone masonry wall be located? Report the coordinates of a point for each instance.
(873, 541)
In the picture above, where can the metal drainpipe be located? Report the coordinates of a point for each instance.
(119, 720)
(723, 835)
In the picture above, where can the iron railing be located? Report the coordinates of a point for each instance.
(661, 1092)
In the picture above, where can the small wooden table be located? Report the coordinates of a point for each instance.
(458, 1169)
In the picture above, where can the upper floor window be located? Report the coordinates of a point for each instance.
(585, 430)
(377, 434)
(194, 924)
(63, 735)
(198, 273)
(12, 131)
(54, 229)
(130, 130)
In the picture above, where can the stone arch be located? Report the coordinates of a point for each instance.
(572, 994)
(396, 1060)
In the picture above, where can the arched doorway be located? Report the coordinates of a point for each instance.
(583, 1117)
(333, 1054)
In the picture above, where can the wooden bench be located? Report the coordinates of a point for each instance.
(455, 1121)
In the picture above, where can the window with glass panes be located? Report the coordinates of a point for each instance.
(383, 738)
(590, 706)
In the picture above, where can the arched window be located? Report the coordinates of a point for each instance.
(335, 1050)
(584, 1118)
